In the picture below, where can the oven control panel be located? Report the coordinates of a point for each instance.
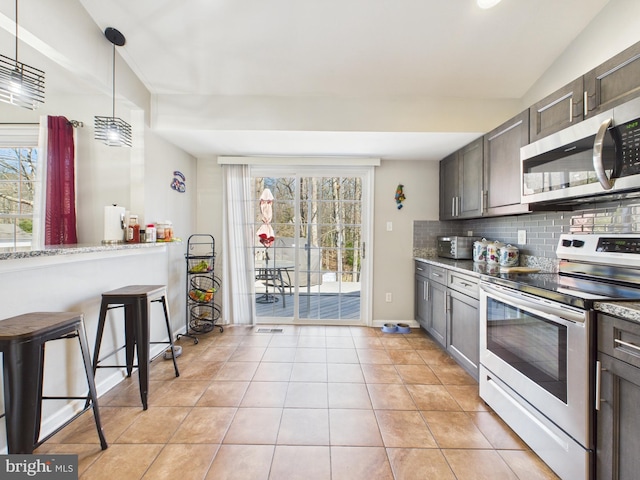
(622, 245)
(614, 249)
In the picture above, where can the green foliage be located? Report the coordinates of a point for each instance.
(26, 225)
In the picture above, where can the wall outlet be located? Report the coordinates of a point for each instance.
(469, 233)
(388, 297)
(389, 226)
(522, 237)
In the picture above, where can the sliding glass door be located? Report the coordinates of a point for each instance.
(310, 252)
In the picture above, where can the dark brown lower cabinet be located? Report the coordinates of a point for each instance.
(618, 415)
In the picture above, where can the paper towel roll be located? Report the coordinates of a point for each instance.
(113, 218)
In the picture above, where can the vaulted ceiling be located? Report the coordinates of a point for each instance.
(380, 78)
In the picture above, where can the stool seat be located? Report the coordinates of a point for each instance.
(22, 342)
(136, 301)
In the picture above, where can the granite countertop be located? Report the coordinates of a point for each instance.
(627, 310)
(55, 250)
(622, 309)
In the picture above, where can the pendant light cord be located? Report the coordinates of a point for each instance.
(16, 33)
(113, 83)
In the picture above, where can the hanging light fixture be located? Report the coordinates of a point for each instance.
(113, 131)
(20, 84)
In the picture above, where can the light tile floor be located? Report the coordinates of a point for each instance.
(312, 402)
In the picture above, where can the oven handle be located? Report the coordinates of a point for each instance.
(553, 311)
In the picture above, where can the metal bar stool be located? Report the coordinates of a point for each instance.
(22, 342)
(136, 301)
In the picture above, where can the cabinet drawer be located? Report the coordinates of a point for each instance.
(619, 338)
(438, 274)
(463, 284)
(422, 269)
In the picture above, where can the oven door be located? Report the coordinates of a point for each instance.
(540, 350)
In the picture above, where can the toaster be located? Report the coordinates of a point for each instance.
(456, 247)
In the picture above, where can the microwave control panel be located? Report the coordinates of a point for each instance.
(630, 142)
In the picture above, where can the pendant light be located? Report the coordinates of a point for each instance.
(20, 84)
(113, 131)
(487, 3)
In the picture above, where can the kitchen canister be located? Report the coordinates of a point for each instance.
(509, 256)
(480, 250)
(493, 252)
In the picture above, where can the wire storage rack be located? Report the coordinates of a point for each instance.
(202, 312)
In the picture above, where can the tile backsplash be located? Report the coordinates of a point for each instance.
(543, 228)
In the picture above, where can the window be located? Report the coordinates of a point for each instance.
(18, 185)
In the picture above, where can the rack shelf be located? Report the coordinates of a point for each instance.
(202, 312)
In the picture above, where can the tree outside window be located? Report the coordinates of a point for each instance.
(17, 193)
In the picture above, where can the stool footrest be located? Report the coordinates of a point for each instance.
(103, 443)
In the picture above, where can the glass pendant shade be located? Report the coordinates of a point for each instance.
(20, 84)
(113, 131)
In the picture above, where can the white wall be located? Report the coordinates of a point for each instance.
(610, 32)
(393, 251)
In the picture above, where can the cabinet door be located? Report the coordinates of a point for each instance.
(470, 179)
(614, 82)
(422, 299)
(464, 331)
(502, 175)
(437, 322)
(557, 111)
(618, 422)
(449, 186)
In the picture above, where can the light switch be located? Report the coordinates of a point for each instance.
(389, 226)
(522, 237)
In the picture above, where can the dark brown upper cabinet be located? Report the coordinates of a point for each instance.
(502, 181)
(614, 82)
(557, 111)
(461, 182)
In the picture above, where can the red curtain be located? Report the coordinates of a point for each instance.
(60, 209)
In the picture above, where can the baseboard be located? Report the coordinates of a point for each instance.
(411, 323)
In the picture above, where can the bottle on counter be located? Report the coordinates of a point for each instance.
(150, 233)
(168, 231)
(164, 231)
(133, 230)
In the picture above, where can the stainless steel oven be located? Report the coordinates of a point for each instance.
(537, 346)
(534, 371)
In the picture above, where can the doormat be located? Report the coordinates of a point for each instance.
(269, 330)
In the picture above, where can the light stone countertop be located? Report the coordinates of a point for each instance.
(627, 310)
(622, 309)
(57, 250)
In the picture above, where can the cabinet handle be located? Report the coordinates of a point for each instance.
(570, 109)
(598, 380)
(453, 206)
(435, 274)
(425, 291)
(585, 108)
(447, 302)
(627, 344)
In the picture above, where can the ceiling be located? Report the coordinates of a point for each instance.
(340, 57)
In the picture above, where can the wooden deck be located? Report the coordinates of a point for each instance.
(321, 306)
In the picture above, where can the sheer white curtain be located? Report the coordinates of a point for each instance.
(237, 235)
(40, 196)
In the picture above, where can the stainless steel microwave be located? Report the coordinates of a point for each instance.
(595, 159)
